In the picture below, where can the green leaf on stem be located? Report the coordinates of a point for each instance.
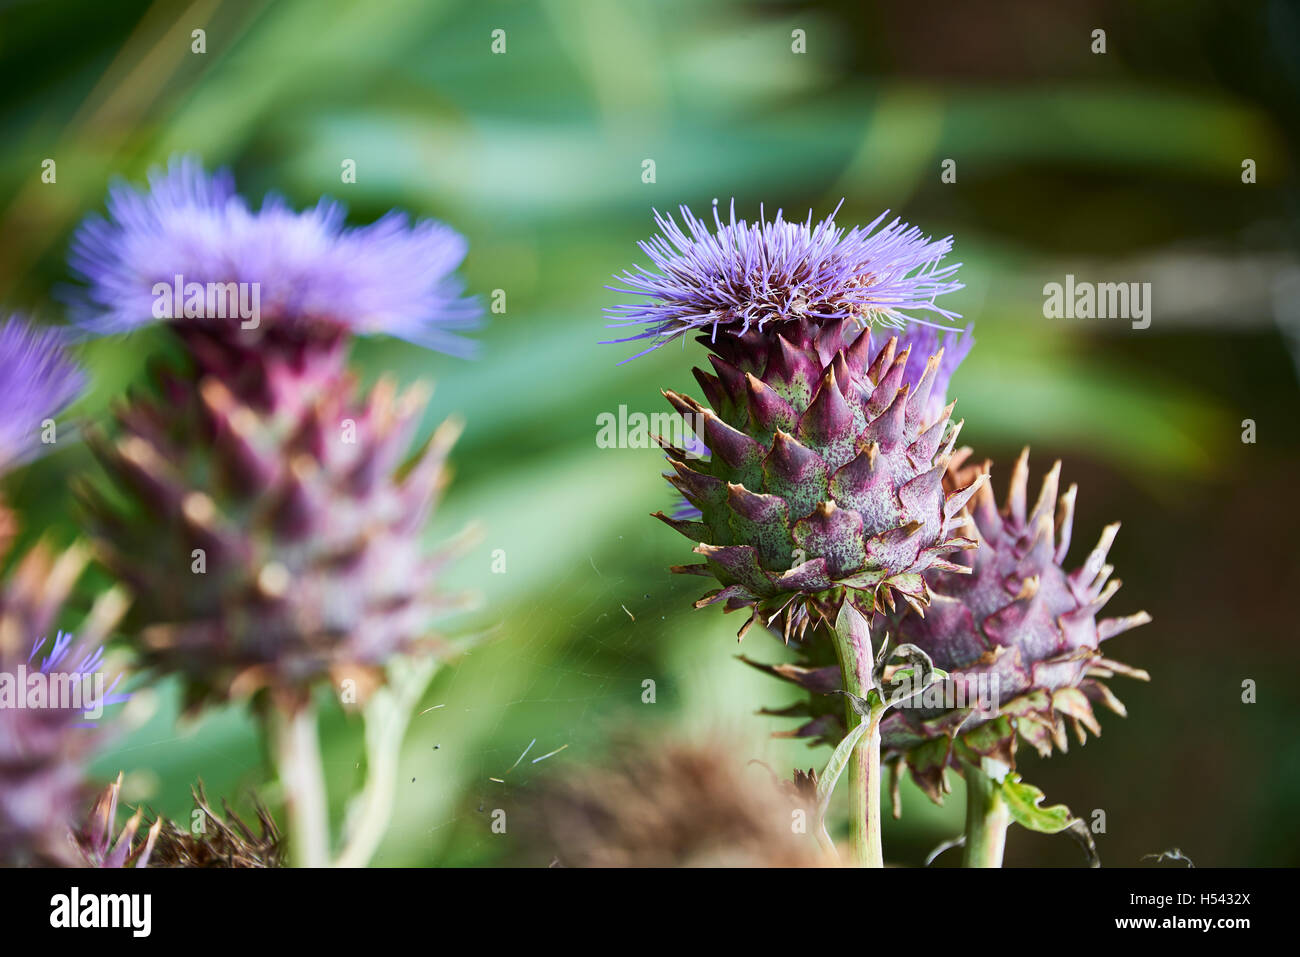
(1023, 801)
(826, 782)
(836, 765)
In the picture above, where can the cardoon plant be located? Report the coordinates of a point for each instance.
(822, 502)
(834, 489)
(1019, 638)
(266, 511)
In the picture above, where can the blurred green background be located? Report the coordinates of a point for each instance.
(1123, 166)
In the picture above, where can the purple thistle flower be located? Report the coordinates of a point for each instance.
(40, 381)
(743, 276)
(391, 277)
(298, 484)
(45, 744)
(88, 658)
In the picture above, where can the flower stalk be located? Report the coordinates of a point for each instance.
(388, 714)
(853, 648)
(987, 814)
(295, 749)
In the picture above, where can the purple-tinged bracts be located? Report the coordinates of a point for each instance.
(1018, 635)
(102, 845)
(274, 545)
(825, 476)
(1022, 625)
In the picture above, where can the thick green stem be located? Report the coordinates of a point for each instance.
(387, 717)
(987, 815)
(864, 784)
(853, 647)
(295, 748)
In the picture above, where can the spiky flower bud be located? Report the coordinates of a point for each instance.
(826, 468)
(1022, 624)
(46, 741)
(818, 485)
(1017, 633)
(266, 513)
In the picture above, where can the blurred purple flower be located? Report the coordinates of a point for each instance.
(39, 383)
(743, 275)
(89, 658)
(45, 744)
(391, 277)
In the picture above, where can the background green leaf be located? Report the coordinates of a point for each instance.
(1125, 166)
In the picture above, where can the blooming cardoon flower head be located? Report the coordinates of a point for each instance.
(40, 381)
(46, 735)
(311, 273)
(824, 478)
(266, 512)
(764, 276)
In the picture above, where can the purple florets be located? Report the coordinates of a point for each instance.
(44, 743)
(39, 383)
(78, 664)
(742, 275)
(390, 277)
